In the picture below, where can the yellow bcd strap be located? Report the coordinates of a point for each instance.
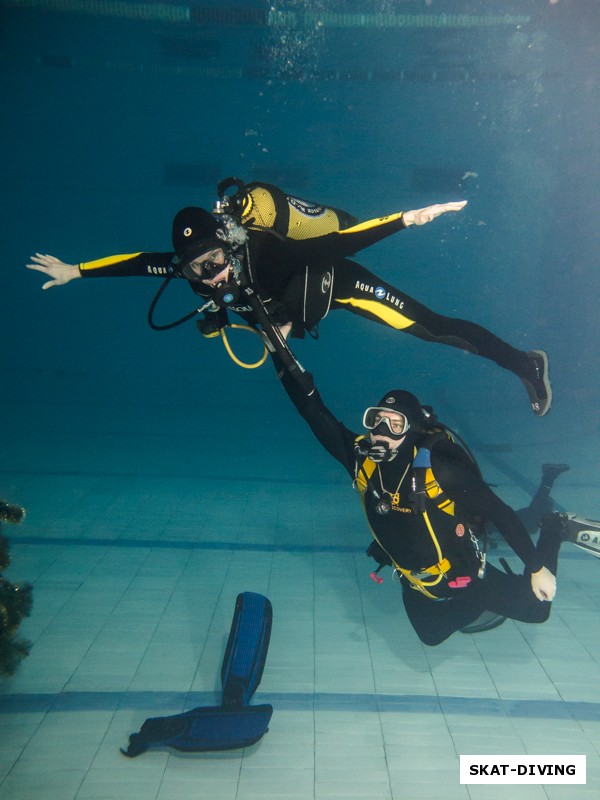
(437, 571)
(421, 585)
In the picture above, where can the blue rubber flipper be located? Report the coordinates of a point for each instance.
(233, 724)
(246, 650)
(202, 730)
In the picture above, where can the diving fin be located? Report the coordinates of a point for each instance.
(202, 730)
(246, 650)
(234, 724)
(584, 533)
(486, 621)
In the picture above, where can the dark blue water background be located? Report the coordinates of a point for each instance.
(110, 125)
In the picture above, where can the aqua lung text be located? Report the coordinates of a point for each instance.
(380, 293)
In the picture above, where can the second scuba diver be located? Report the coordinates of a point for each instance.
(300, 279)
(426, 504)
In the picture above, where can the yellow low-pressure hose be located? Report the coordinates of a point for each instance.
(232, 355)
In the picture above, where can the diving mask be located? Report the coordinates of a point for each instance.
(208, 266)
(384, 422)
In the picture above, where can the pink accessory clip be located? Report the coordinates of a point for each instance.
(460, 582)
(376, 578)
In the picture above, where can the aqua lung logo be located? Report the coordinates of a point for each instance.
(589, 541)
(589, 538)
(390, 400)
(158, 270)
(305, 207)
(326, 283)
(381, 293)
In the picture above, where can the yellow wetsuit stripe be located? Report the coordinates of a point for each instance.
(388, 315)
(372, 223)
(106, 262)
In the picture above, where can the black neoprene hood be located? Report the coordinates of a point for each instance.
(195, 231)
(404, 403)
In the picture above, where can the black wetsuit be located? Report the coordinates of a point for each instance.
(541, 504)
(455, 595)
(300, 281)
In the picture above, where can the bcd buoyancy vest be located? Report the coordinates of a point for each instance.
(263, 207)
(425, 495)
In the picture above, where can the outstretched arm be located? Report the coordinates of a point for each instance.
(423, 215)
(59, 272)
(119, 266)
(348, 241)
(300, 388)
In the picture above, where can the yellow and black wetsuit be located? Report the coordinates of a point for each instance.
(302, 280)
(443, 590)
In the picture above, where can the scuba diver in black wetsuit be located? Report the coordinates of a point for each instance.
(421, 493)
(301, 270)
(426, 529)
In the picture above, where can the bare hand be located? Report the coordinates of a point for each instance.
(543, 584)
(423, 215)
(285, 328)
(56, 269)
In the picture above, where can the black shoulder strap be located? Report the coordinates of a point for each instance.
(479, 526)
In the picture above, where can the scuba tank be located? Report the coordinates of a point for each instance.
(262, 206)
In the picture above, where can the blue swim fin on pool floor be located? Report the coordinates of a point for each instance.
(234, 724)
(202, 730)
(246, 650)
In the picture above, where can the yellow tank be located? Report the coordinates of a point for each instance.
(265, 206)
